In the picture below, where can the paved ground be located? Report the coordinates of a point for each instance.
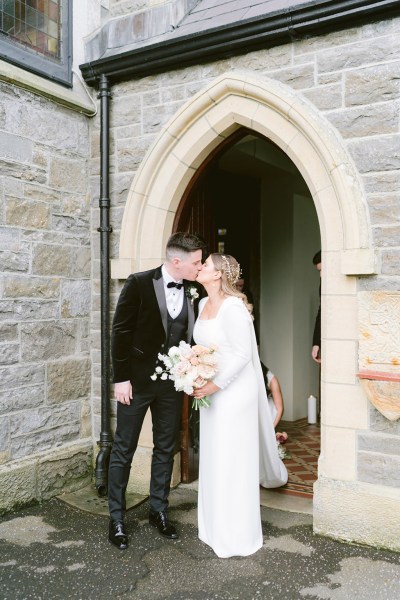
(55, 551)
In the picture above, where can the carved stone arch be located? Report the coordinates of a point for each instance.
(231, 101)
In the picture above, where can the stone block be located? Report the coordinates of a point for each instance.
(329, 40)
(23, 172)
(328, 78)
(39, 442)
(44, 419)
(15, 147)
(39, 287)
(126, 109)
(379, 442)
(68, 380)
(325, 97)
(155, 117)
(12, 378)
(152, 98)
(67, 470)
(372, 84)
(52, 260)
(376, 153)
(335, 282)
(10, 238)
(4, 435)
(177, 93)
(9, 354)
(338, 456)
(75, 298)
(381, 283)
(41, 193)
(14, 262)
(383, 182)
(56, 127)
(298, 78)
(130, 155)
(17, 485)
(14, 187)
(76, 206)
(28, 214)
(81, 260)
(8, 332)
(77, 225)
(380, 424)
(378, 468)
(390, 260)
(47, 340)
(379, 50)
(384, 209)
(69, 175)
(368, 514)
(23, 397)
(341, 361)
(340, 317)
(387, 236)
(22, 310)
(366, 120)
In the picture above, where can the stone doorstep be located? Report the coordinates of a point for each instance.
(87, 499)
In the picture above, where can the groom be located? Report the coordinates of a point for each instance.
(155, 311)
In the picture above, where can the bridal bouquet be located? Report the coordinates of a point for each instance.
(189, 367)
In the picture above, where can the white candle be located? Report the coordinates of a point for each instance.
(312, 409)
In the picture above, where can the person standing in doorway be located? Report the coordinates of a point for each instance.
(155, 311)
(316, 347)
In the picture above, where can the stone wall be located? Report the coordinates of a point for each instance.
(351, 77)
(45, 269)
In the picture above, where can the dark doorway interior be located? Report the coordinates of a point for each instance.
(249, 200)
(223, 208)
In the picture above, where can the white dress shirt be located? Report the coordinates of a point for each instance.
(173, 296)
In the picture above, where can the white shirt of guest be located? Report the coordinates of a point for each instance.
(173, 296)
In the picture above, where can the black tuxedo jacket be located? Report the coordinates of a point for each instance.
(140, 326)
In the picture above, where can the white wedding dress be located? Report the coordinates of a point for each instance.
(238, 450)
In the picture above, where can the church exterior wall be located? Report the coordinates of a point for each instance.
(350, 77)
(45, 283)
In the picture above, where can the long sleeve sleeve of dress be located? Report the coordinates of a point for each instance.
(238, 329)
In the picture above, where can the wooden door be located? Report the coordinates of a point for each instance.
(224, 208)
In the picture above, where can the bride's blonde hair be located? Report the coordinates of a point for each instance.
(230, 273)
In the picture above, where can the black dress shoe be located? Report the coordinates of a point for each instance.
(117, 534)
(160, 520)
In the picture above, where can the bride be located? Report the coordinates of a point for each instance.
(238, 449)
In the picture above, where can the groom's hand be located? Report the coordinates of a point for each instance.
(123, 392)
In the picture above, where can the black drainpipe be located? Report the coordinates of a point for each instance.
(105, 441)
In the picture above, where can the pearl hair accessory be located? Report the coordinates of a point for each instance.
(233, 272)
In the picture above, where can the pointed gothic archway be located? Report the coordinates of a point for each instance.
(274, 110)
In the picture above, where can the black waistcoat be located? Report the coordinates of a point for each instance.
(177, 328)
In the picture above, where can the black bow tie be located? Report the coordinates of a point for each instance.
(172, 284)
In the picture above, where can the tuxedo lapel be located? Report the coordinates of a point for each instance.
(158, 283)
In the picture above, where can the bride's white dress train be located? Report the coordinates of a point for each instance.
(238, 450)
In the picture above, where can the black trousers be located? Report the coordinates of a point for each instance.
(166, 410)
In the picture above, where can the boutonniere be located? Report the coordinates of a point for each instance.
(192, 293)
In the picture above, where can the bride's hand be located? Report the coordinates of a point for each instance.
(206, 390)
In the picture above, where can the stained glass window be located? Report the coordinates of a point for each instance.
(40, 27)
(35, 23)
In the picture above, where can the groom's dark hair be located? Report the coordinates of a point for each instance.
(184, 242)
